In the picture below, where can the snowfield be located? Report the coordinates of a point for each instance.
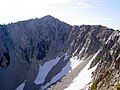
(64, 71)
(45, 69)
(21, 86)
(83, 78)
(74, 62)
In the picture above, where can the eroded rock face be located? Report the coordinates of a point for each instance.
(107, 74)
(4, 50)
(25, 45)
(37, 53)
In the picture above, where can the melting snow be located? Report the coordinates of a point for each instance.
(21, 86)
(70, 66)
(64, 71)
(45, 69)
(84, 77)
(66, 56)
(74, 62)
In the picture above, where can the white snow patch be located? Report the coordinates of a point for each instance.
(81, 51)
(74, 62)
(44, 70)
(108, 39)
(112, 36)
(66, 56)
(64, 71)
(21, 86)
(84, 77)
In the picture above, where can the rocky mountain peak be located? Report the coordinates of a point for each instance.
(38, 53)
(49, 17)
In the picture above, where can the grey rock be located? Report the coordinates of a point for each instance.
(25, 45)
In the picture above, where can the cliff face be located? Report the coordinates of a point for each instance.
(107, 74)
(46, 53)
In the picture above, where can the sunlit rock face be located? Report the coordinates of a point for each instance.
(47, 53)
(108, 70)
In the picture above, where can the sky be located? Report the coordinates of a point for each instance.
(74, 12)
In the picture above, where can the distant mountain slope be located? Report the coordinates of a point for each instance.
(47, 53)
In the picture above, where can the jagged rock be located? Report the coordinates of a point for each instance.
(38, 53)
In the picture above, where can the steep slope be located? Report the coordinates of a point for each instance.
(107, 74)
(47, 53)
(32, 42)
(87, 42)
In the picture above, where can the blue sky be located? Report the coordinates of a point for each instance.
(74, 12)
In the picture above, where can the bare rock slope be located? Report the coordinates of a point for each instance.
(47, 53)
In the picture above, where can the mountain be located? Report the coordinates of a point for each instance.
(46, 53)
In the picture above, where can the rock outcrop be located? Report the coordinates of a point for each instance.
(45, 53)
